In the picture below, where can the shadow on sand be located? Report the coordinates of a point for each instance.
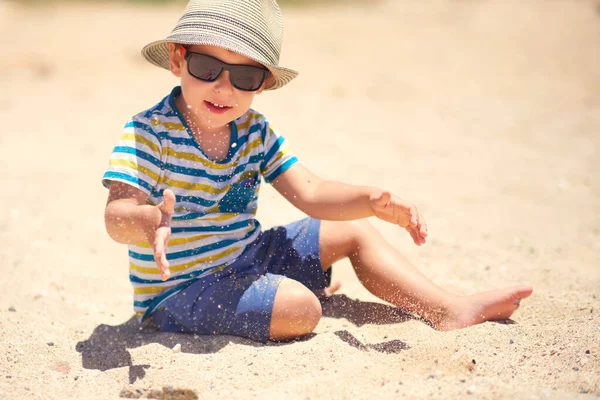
(107, 347)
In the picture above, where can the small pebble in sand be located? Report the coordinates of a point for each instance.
(575, 369)
(12, 309)
(50, 344)
(471, 389)
(511, 341)
(177, 348)
(587, 352)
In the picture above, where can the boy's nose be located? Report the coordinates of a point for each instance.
(223, 84)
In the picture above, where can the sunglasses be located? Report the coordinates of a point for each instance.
(243, 77)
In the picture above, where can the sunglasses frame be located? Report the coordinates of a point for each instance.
(225, 67)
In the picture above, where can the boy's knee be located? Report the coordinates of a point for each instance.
(296, 311)
(358, 230)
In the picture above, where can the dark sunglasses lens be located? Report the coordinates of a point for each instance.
(247, 78)
(204, 68)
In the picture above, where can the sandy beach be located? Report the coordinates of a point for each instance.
(484, 114)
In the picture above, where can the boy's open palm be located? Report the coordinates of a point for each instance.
(159, 237)
(392, 209)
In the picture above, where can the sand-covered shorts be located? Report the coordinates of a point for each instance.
(239, 300)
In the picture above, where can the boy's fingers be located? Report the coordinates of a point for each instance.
(165, 273)
(168, 204)
(414, 216)
(423, 227)
(413, 234)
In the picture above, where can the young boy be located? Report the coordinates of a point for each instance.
(184, 181)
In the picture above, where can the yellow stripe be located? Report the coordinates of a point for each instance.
(172, 126)
(151, 289)
(140, 139)
(183, 267)
(251, 146)
(280, 154)
(159, 289)
(222, 217)
(180, 155)
(249, 120)
(137, 167)
(184, 156)
(195, 186)
(139, 313)
(178, 241)
(244, 125)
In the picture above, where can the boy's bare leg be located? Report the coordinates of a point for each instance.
(296, 311)
(389, 276)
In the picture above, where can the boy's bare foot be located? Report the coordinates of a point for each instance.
(330, 290)
(481, 307)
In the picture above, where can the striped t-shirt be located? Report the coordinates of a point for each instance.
(216, 201)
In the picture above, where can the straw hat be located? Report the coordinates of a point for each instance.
(253, 28)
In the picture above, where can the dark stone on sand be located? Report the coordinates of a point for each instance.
(587, 352)
(12, 309)
(76, 377)
(473, 361)
(575, 369)
(511, 341)
(50, 344)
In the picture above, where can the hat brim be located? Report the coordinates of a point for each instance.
(157, 53)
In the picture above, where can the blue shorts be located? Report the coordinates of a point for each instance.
(239, 300)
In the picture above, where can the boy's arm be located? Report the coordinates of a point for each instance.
(129, 220)
(338, 201)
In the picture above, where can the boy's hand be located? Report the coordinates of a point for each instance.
(159, 236)
(391, 209)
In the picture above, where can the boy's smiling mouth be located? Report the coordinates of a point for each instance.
(216, 107)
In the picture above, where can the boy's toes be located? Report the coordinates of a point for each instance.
(331, 289)
(522, 292)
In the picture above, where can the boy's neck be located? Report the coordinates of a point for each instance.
(214, 141)
(196, 124)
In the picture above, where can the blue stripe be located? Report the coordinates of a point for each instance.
(158, 299)
(273, 150)
(112, 175)
(145, 127)
(178, 169)
(138, 153)
(254, 128)
(212, 228)
(195, 200)
(191, 275)
(281, 169)
(192, 252)
(191, 142)
(193, 215)
(157, 108)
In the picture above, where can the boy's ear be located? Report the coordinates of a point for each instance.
(176, 59)
(268, 82)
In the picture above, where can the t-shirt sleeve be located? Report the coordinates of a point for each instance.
(135, 160)
(277, 155)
